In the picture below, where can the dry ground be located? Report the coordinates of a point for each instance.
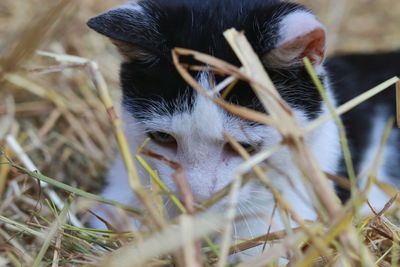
(44, 111)
(360, 25)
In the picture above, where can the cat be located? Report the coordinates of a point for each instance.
(351, 75)
(189, 129)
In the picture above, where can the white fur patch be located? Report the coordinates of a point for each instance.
(132, 7)
(376, 196)
(296, 24)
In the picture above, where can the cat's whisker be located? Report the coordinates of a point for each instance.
(244, 218)
(253, 212)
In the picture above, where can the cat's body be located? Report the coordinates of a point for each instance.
(189, 129)
(351, 75)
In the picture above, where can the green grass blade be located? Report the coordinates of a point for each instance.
(51, 234)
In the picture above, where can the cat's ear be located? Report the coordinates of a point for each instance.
(130, 28)
(300, 35)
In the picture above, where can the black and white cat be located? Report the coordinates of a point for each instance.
(189, 129)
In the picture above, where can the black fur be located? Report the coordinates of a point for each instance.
(199, 25)
(351, 75)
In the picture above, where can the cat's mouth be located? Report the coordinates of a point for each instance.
(199, 203)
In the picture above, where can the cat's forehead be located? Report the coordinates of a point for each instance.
(199, 24)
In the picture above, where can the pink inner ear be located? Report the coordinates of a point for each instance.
(315, 49)
(311, 45)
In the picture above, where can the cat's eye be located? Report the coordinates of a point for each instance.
(250, 148)
(162, 138)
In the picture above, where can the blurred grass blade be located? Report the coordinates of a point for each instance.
(162, 243)
(127, 157)
(34, 34)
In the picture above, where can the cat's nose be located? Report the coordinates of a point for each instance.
(202, 195)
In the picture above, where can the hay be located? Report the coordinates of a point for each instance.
(57, 131)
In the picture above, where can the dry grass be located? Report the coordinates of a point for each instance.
(58, 120)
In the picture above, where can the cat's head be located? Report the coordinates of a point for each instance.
(185, 127)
